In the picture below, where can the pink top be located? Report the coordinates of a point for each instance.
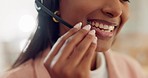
(119, 66)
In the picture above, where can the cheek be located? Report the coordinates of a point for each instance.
(124, 18)
(125, 15)
(74, 11)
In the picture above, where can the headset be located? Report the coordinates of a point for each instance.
(40, 7)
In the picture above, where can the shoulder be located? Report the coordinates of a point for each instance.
(125, 59)
(23, 71)
(128, 64)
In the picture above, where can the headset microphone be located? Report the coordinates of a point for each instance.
(40, 6)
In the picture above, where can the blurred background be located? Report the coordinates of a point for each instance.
(18, 20)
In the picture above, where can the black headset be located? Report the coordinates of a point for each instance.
(40, 7)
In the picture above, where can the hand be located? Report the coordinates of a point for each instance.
(72, 54)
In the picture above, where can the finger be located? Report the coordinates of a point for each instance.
(71, 43)
(59, 43)
(90, 54)
(81, 49)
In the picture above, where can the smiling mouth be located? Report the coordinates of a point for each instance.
(103, 28)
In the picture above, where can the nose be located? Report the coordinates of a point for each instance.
(112, 8)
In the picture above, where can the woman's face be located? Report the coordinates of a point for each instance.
(105, 16)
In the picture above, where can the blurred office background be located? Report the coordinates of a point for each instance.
(18, 20)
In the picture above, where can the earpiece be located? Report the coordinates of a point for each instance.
(41, 8)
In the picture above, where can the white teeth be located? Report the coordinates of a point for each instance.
(97, 25)
(106, 27)
(107, 30)
(101, 26)
(111, 27)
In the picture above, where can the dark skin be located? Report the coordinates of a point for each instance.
(77, 48)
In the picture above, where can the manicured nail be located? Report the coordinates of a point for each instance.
(95, 40)
(87, 27)
(78, 25)
(92, 32)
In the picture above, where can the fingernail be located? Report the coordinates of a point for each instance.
(87, 27)
(78, 25)
(92, 32)
(95, 40)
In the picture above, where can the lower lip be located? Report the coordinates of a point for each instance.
(102, 34)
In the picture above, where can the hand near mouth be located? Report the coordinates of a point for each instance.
(72, 55)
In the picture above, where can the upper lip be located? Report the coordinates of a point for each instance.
(104, 22)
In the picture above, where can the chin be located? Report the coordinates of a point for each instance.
(103, 46)
(102, 49)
